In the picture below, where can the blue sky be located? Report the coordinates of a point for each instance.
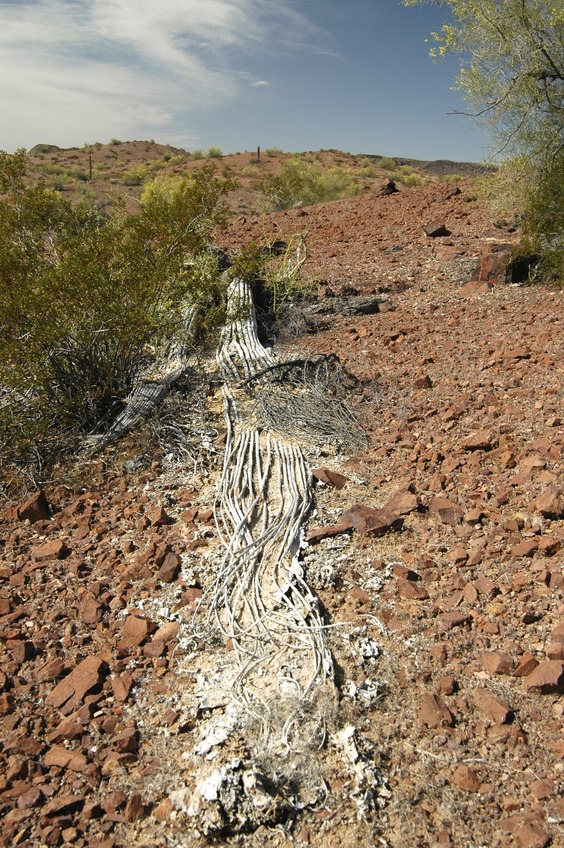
(296, 74)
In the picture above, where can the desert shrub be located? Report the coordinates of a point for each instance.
(272, 151)
(82, 294)
(214, 153)
(451, 178)
(134, 176)
(197, 154)
(115, 141)
(543, 219)
(307, 182)
(387, 164)
(411, 180)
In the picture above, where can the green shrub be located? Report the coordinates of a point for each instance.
(134, 176)
(543, 219)
(307, 182)
(411, 180)
(272, 151)
(214, 153)
(197, 154)
(387, 164)
(81, 295)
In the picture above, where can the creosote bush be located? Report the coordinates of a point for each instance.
(82, 295)
(306, 182)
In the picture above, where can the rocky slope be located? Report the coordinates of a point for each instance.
(436, 550)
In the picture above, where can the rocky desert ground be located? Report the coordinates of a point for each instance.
(434, 546)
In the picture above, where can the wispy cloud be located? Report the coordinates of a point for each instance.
(79, 70)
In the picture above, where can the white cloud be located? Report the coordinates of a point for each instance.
(259, 84)
(79, 70)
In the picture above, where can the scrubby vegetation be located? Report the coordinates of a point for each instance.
(307, 182)
(82, 295)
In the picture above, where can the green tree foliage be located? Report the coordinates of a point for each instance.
(512, 76)
(82, 295)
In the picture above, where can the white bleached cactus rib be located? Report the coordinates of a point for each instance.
(259, 599)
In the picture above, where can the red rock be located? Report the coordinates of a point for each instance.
(527, 664)
(331, 478)
(550, 503)
(316, 534)
(63, 804)
(167, 632)
(160, 517)
(91, 611)
(134, 809)
(448, 620)
(491, 705)
(448, 511)
(526, 834)
(50, 670)
(466, 778)
(526, 548)
(424, 382)
(77, 684)
(134, 631)
(385, 188)
(542, 789)
(475, 287)
(7, 703)
(126, 742)
(36, 508)
(170, 568)
(360, 594)
(547, 677)
(549, 545)
(495, 261)
(433, 712)
(121, 686)
(64, 758)
(56, 549)
(370, 521)
(480, 440)
(410, 590)
(447, 685)
(402, 503)
(496, 662)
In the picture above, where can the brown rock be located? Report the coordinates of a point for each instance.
(448, 511)
(475, 287)
(526, 548)
(160, 517)
(63, 804)
(491, 705)
(163, 810)
(527, 664)
(466, 778)
(134, 809)
(495, 260)
(548, 677)
(316, 534)
(436, 230)
(549, 545)
(433, 712)
(63, 758)
(36, 508)
(170, 568)
(134, 631)
(551, 502)
(55, 549)
(403, 502)
(121, 687)
(412, 591)
(496, 662)
(372, 522)
(167, 632)
(331, 478)
(448, 620)
(72, 689)
(480, 440)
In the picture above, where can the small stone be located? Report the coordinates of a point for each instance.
(372, 522)
(550, 503)
(403, 502)
(134, 632)
(447, 685)
(480, 440)
(526, 548)
(496, 662)
(55, 549)
(448, 620)
(167, 632)
(548, 677)
(434, 713)
(436, 230)
(77, 684)
(491, 705)
(448, 511)
(527, 663)
(466, 778)
(163, 810)
(160, 517)
(134, 809)
(170, 568)
(36, 508)
(412, 591)
(331, 478)
(317, 534)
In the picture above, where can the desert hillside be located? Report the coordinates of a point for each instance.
(432, 549)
